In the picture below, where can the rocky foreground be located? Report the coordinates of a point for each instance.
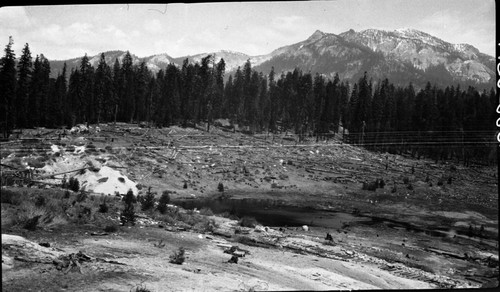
(419, 229)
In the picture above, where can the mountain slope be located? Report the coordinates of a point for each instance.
(401, 55)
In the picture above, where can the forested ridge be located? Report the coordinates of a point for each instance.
(442, 123)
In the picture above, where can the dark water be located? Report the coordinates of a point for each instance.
(274, 213)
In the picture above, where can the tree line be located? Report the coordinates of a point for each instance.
(433, 122)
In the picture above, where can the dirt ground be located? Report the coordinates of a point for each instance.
(420, 230)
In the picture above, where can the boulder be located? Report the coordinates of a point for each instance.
(19, 248)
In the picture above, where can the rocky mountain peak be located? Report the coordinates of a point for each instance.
(318, 34)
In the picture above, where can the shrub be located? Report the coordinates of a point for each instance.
(206, 211)
(205, 225)
(370, 186)
(410, 187)
(81, 197)
(450, 180)
(381, 183)
(164, 200)
(406, 180)
(40, 200)
(129, 198)
(148, 201)
(178, 257)
(11, 197)
(140, 288)
(73, 184)
(185, 185)
(220, 187)
(31, 217)
(248, 222)
(103, 208)
(440, 182)
(110, 228)
(32, 223)
(128, 213)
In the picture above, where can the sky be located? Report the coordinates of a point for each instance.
(61, 32)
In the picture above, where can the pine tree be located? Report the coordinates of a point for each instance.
(273, 102)
(103, 91)
(74, 92)
(8, 88)
(128, 89)
(87, 112)
(25, 68)
(62, 107)
(117, 90)
(142, 77)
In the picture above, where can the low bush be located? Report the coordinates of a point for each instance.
(40, 200)
(81, 197)
(248, 222)
(103, 208)
(111, 228)
(140, 288)
(12, 197)
(220, 187)
(83, 214)
(206, 211)
(406, 180)
(31, 217)
(178, 257)
(370, 186)
(73, 184)
(205, 225)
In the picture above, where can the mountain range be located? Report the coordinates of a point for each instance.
(401, 55)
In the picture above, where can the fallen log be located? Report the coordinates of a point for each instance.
(64, 172)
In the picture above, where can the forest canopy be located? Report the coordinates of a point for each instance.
(441, 123)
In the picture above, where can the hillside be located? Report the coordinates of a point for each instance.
(401, 55)
(391, 222)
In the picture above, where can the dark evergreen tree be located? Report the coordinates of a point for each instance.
(61, 106)
(103, 91)
(25, 68)
(8, 88)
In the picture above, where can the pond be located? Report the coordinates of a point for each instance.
(274, 213)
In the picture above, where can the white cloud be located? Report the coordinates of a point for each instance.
(14, 17)
(152, 25)
(288, 23)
